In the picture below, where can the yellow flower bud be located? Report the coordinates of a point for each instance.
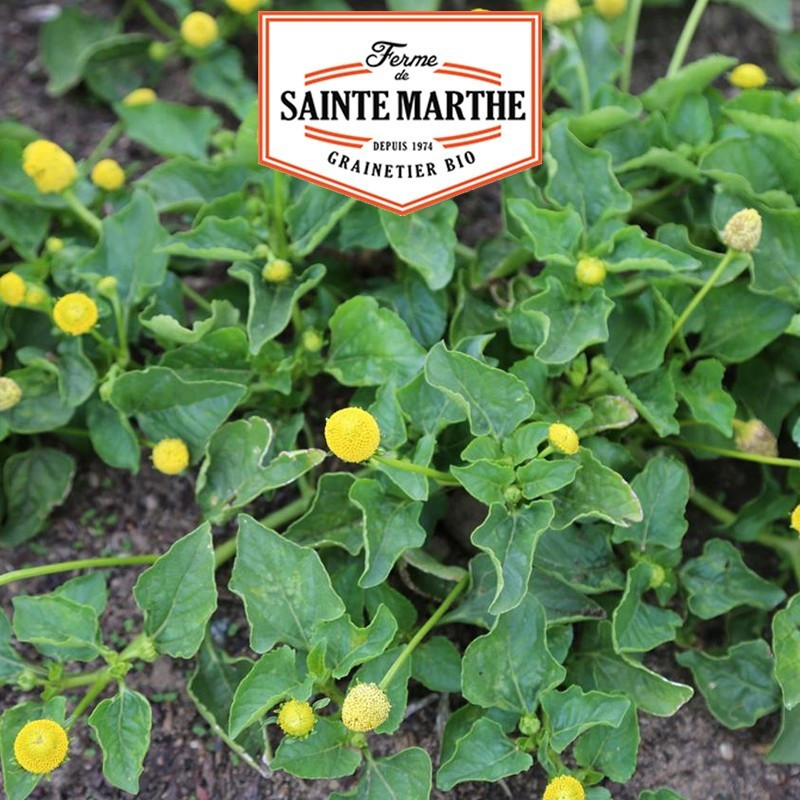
(755, 437)
(10, 393)
(108, 174)
(352, 434)
(12, 289)
(610, 9)
(563, 438)
(199, 29)
(171, 456)
(559, 11)
(748, 76)
(296, 718)
(41, 746)
(795, 518)
(277, 271)
(365, 707)
(34, 296)
(590, 271)
(140, 97)
(51, 168)
(53, 244)
(243, 6)
(564, 787)
(312, 341)
(743, 231)
(75, 313)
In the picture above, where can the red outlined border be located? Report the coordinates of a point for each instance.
(533, 160)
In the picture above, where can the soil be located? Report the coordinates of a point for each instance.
(112, 512)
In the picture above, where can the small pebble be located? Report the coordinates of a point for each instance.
(726, 751)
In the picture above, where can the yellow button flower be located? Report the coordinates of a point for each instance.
(563, 438)
(795, 519)
(559, 11)
(610, 9)
(10, 393)
(296, 718)
(199, 29)
(53, 244)
(312, 341)
(277, 270)
(75, 313)
(243, 6)
(171, 456)
(40, 746)
(748, 76)
(590, 271)
(34, 296)
(12, 289)
(564, 787)
(743, 231)
(140, 97)
(52, 169)
(365, 707)
(108, 175)
(352, 434)
(755, 437)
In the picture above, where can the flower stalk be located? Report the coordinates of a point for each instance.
(687, 34)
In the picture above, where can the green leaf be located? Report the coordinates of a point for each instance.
(403, 776)
(661, 794)
(313, 216)
(285, 588)
(550, 235)
(540, 476)
(214, 239)
(325, 753)
(437, 665)
(775, 14)
(738, 687)
(639, 626)
(485, 480)
(221, 77)
(41, 407)
(270, 304)
(597, 491)
(562, 603)
(167, 328)
(34, 483)
(511, 666)
(425, 240)
(663, 490)
(88, 590)
(510, 538)
(703, 391)
(121, 725)
(391, 526)
(573, 712)
(11, 663)
(693, 77)
(25, 227)
(485, 753)
(786, 645)
(272, 678)
(581, 177)
(495, 401)
(634, 250)
(429, 409)
(612, 751)
(718, 581)
(785, 748)
(112, 436)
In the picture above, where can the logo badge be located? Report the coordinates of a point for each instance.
(400, 109)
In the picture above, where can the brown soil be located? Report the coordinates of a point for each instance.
(143, 514)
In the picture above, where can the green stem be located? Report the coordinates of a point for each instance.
(583, 78)
(774, 461)
(546, 452)
(466, 252)
(692, 21)
(789, 547)
(442, 477)
(704, 290)
(102, 146)
(149, 13)
(95, 689)
(81, 211)
(278, 228)
(196, 297)
(68, 566)
(423, 632)
(634, 13)
(655, 197)
(123, 354)
(712, 507)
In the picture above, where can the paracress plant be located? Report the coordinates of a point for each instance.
(635, 313)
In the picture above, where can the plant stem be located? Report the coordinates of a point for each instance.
(774, 461)
(99, 151)
(712, 507)
(423, 632)
(655, 197)
(81, 211)
(149, 13)
(67, 566)
(95, 689)
(634, 12)
(704, 290)
(789, 547)
(123, 354)
(546, 452)
(692, 21)
(278, 228)
(196, 297)
(442, 477)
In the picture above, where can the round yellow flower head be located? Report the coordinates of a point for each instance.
(743, 231)
(748, 76)
(12, 289)
(53, 244)
(610, 9)
(563, 438)
(296, 718)
(755, 437)
(352, 434)
(10, 393)
(199, 29)
(243, 6)
(52, 169)
(795, 518)
(312, 341)
(564, 787)
(75, 313)
(171, 456)
(34, 296)
(590, 271)
(365, 707)
(559, 11)
(277, 270)
(140, 97)
(41, 746)
(108, 174)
